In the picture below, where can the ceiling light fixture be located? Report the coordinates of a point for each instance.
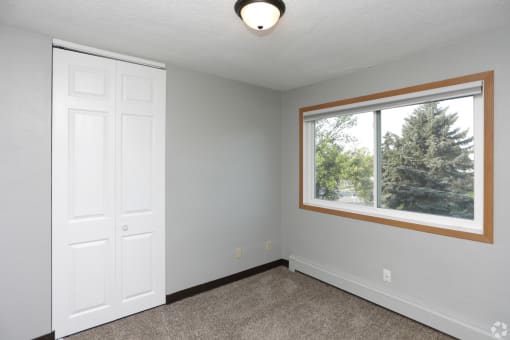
(260, 14)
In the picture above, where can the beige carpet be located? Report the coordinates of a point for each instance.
(276, 304)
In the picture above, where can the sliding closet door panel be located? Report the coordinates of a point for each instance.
(140, 204)
(83, 191)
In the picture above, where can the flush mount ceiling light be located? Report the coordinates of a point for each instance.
(260, 14)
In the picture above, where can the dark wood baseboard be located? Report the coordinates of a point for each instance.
(174, 297)
(49, 336)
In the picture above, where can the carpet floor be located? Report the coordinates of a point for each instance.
(276, 304)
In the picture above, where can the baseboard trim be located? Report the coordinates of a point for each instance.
(397, 304)
(49, 336)
(182, 294)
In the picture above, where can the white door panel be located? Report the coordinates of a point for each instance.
(141, 182)
(83, 191)
(108, 190)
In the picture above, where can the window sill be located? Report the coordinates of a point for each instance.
(381, 218)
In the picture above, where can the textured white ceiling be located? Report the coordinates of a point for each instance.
(315, 40)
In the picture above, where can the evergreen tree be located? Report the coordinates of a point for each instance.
(429, 169)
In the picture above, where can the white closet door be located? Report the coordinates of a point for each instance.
(108, 190)
(83, 191)
(140, 178)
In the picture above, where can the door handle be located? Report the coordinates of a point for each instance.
(125, 227)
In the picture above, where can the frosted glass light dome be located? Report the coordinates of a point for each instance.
(260, 15)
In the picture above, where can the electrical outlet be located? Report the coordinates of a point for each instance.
(269, 245)
(239, 253)
(386, 275)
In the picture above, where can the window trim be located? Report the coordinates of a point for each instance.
(487, 236)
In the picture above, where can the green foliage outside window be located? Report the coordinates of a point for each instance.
(337, 168)
(428, 168)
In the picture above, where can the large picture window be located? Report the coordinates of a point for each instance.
(419, 157)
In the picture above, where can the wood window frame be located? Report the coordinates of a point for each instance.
(488, 162)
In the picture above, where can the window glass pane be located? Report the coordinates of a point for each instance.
(427, 158)
(344, 158)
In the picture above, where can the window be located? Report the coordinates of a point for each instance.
(419, 157)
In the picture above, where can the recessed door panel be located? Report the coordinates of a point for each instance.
(136, 88)
(88, 81)
(137, 145)
(137, 252)
(88, 166)
(90, 276)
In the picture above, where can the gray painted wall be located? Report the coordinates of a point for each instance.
(25, 210)
(223, 177)
(466, 280)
